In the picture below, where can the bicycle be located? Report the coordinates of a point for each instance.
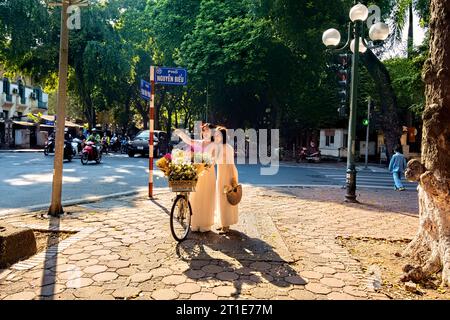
(181, 213)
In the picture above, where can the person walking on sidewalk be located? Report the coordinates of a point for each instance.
(398, 166)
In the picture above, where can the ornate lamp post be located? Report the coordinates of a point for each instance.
(331, 38)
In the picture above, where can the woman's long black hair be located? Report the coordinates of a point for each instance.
(223, 131)
(211, 127)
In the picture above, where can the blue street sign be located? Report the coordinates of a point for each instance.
(171, 76)
(146, 90)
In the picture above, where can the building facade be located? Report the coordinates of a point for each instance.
(17, 100)
(333, 143)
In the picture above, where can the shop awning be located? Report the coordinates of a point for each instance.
(30, 124)
(24, 123)
(68, 124)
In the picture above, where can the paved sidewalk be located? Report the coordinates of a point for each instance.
(284, 247)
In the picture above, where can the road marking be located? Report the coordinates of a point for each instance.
(335, 186)
(309, 167)
(374, 180)
(293, 185)
(360, 176)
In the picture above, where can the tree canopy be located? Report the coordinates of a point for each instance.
(250, 63)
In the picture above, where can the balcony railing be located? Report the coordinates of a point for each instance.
(42, 105)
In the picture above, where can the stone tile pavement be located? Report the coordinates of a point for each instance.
(284, 247)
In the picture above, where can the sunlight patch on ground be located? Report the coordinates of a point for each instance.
(121, 170)
(31, 161)
(157, 173)
(134, 167)
(33, 179)
(110, 179)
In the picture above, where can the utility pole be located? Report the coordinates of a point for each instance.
(56, 208)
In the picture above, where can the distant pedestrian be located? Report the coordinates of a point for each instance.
(398, 166)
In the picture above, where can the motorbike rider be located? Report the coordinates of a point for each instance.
(312, 149)
(95, 138)
(81, 136)
(105, 142)
(51, 141)
(67, 135)
(115, 142)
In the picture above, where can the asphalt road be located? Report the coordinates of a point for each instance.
(26, 177)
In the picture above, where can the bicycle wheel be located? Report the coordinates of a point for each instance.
(180, 218)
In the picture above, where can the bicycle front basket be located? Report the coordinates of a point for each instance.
(182, 185)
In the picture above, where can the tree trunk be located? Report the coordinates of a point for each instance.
(89, 112)
(410, 30)
(145, 120)
(176, 118)
(126, 119)
(388, 119)
(143, 109)
(431, 246)
(169, 119)
(158, 108)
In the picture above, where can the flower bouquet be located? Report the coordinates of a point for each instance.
(183, 169)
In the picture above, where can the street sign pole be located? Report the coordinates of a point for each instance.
(164, 76)
(56, 208)
(152, 129)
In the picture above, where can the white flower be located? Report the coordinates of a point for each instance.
(179, 157)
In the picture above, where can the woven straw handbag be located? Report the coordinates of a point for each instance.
(234, 194)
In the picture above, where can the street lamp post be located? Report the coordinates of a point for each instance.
(369, 107)
(356, 43)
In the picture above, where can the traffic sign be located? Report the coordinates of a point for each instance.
(146, 90)
(171, 76)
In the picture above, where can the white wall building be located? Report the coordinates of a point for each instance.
(16, 101)
(333, 143)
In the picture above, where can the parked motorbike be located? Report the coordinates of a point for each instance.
(91, 153)
(305, 155)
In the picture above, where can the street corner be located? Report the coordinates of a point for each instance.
(285, 246)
